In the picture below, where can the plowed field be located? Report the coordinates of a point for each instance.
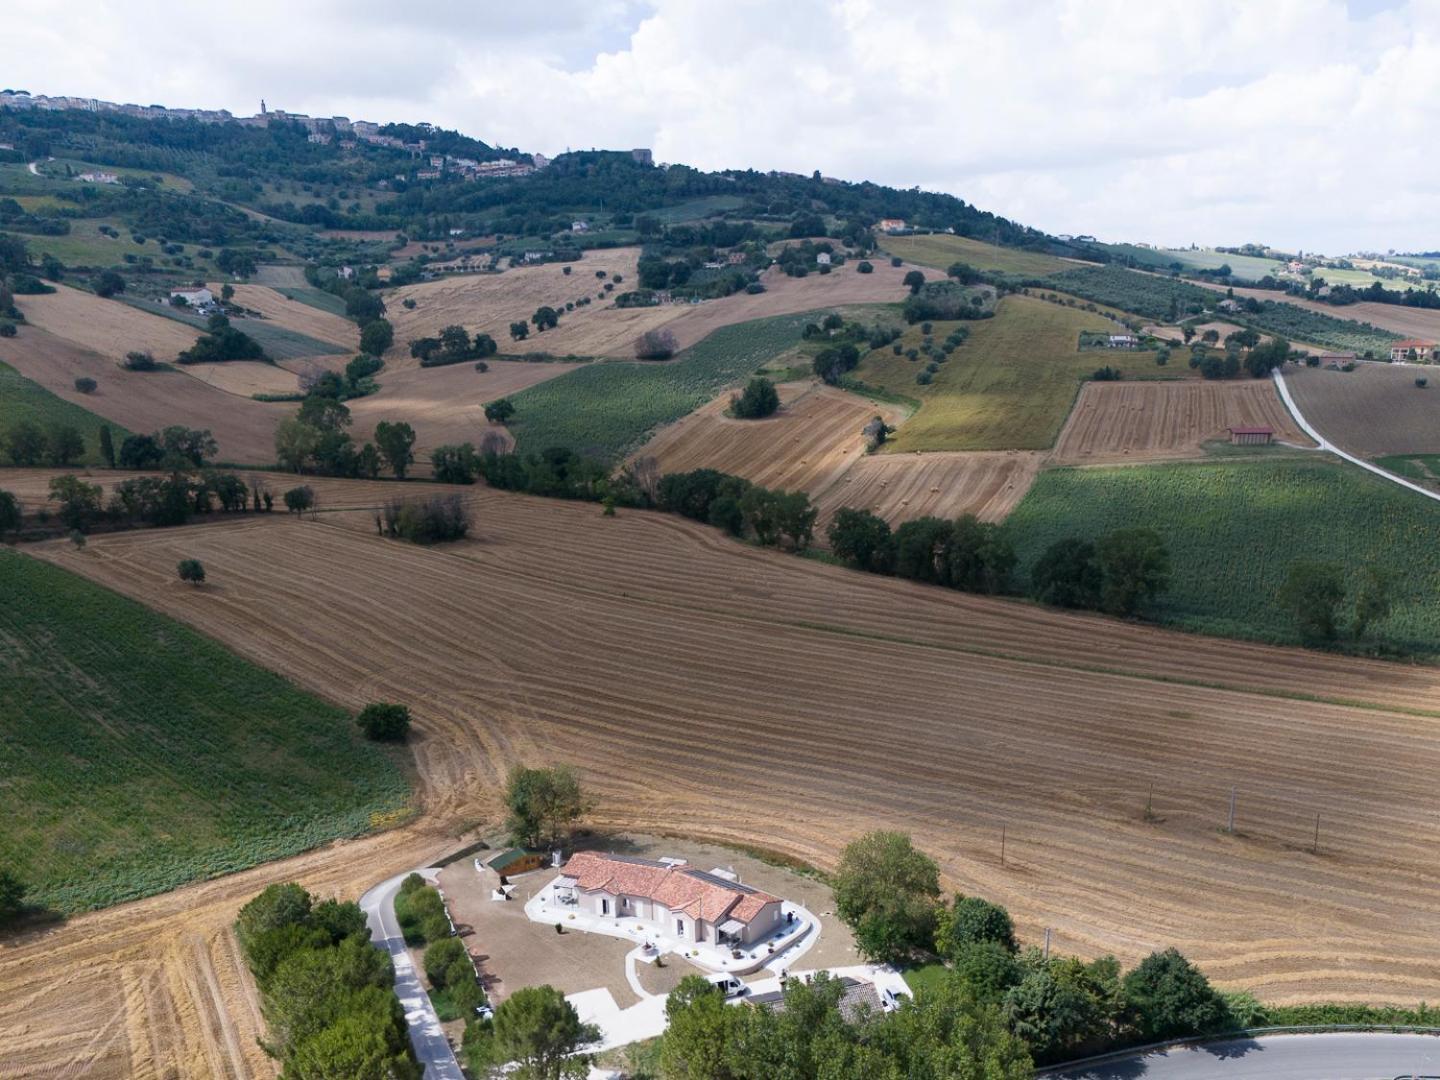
(491, 302)
(708, 687)
(900, 487)
(108, 327)
(294, 315)
(1374, 410)
(806, 446)
(150, 400)
(1158, 421)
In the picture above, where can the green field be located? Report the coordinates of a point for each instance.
(606, 409)
(1245, 267)
(941, 249)
(1422, 468)
(1009, 387)
(21, 399)
(278, 342)
(695, 209)
(85, 245)
(1234, 529)
(137, 755)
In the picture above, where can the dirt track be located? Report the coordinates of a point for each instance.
(712, 688)
(1163, 421)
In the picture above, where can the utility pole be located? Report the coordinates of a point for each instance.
(1230, 828)
(1047, 943)
(1315, 847)
(1002, 845)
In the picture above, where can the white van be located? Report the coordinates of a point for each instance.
(729, 985)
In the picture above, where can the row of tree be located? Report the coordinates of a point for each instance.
(327, 993)
(1059, 1007)
(739, 507)
(1120, 573)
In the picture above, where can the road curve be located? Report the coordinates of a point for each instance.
(1334, 1056)
(431, 1046)
(1326, 444)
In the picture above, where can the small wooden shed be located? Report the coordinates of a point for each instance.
(1251, 436)
(517, 861)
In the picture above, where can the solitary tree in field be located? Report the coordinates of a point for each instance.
(498, 412)
(519, 331)
(191, 570)
(545, 317)
(384, 721)
(887, 892)
(1313, 592)
(657, 344)
(543, 804)
(299, 499)
(913, 280)
(396, 442)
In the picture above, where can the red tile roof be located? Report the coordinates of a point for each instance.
(1412, 343)
(679, 888)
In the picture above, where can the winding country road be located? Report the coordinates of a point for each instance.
(431, 1046)
(1326, 444)
(1336, 1056)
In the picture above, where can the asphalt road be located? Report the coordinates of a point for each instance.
(1338, 1056)
(431, 1046)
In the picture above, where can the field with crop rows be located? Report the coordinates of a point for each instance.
(1235, 528)
(109, 327)
(607, 409)
(139, 755)
(1008, 387)
(1139, 421)
(940, 250)
(1374, 410)
(22, 400)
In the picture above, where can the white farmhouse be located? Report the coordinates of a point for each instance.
(201, 297)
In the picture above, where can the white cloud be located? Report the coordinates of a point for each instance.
(1306, 123)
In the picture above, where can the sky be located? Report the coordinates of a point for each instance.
(1305, 124)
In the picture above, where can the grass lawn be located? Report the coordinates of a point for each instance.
(1422, 468)
(138, 755)
(21, 399)
(1234, 528)
(607, 409)
(1009, 387)
(941, 249)
(926, 977)
(85, 245)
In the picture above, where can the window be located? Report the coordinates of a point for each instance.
(604, 906)
(679, 927)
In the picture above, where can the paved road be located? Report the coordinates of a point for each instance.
(1339, 1056)
(431, 1046)
(1326, 444)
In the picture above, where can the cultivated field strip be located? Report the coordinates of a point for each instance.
(711, 688)
(1374, 410)
(900, 487)
(109, 327)
(1156, 421)
(295, 315)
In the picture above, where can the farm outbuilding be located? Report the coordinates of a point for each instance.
(517, 861)
(1251, 436)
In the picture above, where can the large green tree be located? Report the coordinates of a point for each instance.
(544, 804)
(1135, 565)
(1313, 592)
(541, 1033)
(1171, 998)
(888, 892)
(396, 442)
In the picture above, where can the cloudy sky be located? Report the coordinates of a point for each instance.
(1302, 123)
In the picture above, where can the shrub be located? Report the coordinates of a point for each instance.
(895, 260)
(924, 378)
(300, 499)
(384, 721)
(863, 267)
(760, 399)
(658, 344)
(139, 361)
(191, 570)
(85, 385)
(7, 329)
(427, 521)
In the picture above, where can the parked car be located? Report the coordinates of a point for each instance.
(730, 986)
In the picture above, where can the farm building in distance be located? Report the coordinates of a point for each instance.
(1335, 359)
(1401, 350)
(891, 225)
(196, 298)
(677, 899)
(1251, 436)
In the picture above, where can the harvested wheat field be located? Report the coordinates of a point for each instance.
(446, 404)
(1374, 410)
(244, 377)
(109, 327)
(946, 484)
(1161, 421)
(826, 703)
(490, 302)
(806, 446)
(145, 401)
(296, 316)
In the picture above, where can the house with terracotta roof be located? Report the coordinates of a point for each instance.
(1400, 350)
(705, 907)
